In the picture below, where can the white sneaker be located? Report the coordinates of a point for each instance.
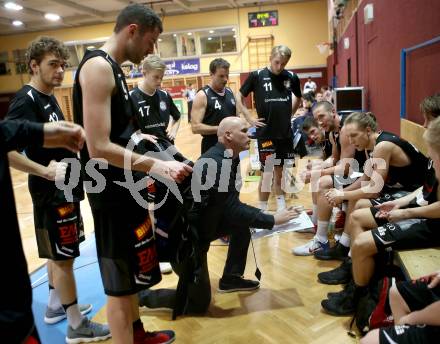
(165, 268)
(309, 248)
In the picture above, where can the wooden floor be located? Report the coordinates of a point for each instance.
(286, 309)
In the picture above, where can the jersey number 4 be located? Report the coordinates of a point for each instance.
(217, 105)
(268, 86)
(142, 111)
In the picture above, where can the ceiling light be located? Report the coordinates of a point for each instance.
(52, 16)
(13, 6)
(211, 31)
(233, 29)
(209, 38)
(160, 39)
(17, 23)
(235, 36)
(174, 35)
(189, 33)
(90, 47)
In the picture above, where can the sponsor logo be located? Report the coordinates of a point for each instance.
(68, 234)
(65, 210)
(163, 106)
(142, 231)
(266, 144)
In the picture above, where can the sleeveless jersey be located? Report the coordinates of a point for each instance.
(408, 177)
(217, 107)
(123, 124)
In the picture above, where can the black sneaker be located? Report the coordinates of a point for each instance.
(340, 275)
(230, 284)
(343, 304)
(337, 252)
(348, 288)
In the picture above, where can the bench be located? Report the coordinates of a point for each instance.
(418, 263)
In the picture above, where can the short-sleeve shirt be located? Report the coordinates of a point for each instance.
(273, 99)
(153, 111)
(34, 106)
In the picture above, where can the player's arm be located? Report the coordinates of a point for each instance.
(376, 172)
(198, 114)
(97, 83)
(175, 116)
(24, 164)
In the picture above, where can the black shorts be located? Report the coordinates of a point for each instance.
(407, 234)
(417, 295)
(281, 149)
(409, 334)
(59, 231)
(126, 249)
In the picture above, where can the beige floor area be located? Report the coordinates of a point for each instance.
(286, 309)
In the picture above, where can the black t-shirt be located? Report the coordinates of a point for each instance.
(123, 125)
(16, 320)
(273, 99)
(32, 105)
(153, 112)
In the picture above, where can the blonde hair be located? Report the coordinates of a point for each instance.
(281, 50)
(153, 62)
(363, 120)
(432, 135)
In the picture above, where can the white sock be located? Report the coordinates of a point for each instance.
(54, 299)
(345, 240)
(262, 205)
(321, 231)
(281, 202)
(74, 316)
(315, 214)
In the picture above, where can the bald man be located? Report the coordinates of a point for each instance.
(220, 212)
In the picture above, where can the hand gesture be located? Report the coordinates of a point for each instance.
(64, 135)
(56, 171)
(286, 214)
(171, 170)
(334, 197)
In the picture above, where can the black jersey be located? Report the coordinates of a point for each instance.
(32, 105)
(326, 146)
(123, 125)
(273, 99)
(217, 107)
(430, 187)
(409, 177)
(153, 112)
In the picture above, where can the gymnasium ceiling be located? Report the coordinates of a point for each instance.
(86, 12)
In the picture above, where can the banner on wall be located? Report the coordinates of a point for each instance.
(179, 67)
(175, 91)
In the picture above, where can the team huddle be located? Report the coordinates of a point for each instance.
(185, 205)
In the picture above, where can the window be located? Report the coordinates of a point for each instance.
(4, 63)
(20, 61)
(77, 51)
(167, 45)
(218, 41)
(188, 44)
